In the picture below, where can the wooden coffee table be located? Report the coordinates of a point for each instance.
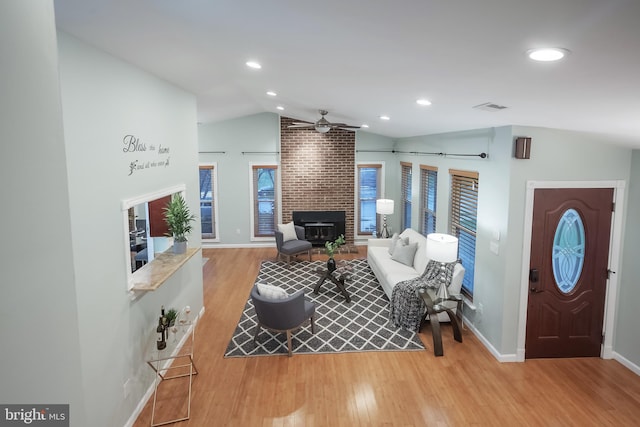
(337, 277)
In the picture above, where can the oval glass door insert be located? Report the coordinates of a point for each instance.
(568, 251)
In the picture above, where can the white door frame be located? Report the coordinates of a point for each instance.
(606, 351)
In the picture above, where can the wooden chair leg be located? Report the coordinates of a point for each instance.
(289, 342)
(255, 336)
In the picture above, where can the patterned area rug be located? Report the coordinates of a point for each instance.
(361, 325)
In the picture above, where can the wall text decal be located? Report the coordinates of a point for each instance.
(147, 152)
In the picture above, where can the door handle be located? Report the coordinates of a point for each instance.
(533, 275)
(535, 290)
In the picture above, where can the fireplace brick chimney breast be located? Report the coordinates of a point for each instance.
(317, 172)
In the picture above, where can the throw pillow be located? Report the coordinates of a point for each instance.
(405, 253)
(400, 241)
(394, 240)
(288, 231)
(271, 292)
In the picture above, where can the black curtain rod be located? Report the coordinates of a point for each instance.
(260, 152)
(212, 152)
(424, 153)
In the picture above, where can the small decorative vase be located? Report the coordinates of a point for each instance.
(331, 265)
(179, 247)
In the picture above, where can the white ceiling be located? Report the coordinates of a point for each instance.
(360, 59)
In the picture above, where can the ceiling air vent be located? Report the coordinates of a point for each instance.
(490, 106)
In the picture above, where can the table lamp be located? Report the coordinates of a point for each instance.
(384, 207)
(442, 248)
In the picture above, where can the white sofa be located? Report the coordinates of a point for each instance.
(390, 272)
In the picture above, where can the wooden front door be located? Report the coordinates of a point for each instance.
(568, 271)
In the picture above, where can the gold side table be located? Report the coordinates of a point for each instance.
(178, 355)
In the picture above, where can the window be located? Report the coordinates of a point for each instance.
(428, 193)
(369, 190)
(208, 178)
(464, 214)
(265, 206)
(406, 194)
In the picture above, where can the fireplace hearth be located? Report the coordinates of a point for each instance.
(320, 226)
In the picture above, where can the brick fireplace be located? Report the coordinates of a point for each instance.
(317, 171)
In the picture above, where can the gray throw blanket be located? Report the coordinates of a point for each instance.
(407, 308)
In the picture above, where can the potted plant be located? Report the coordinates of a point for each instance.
(331, 247)
(171, 315)
(179, 219)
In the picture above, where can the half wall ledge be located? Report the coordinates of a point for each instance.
(153, 274)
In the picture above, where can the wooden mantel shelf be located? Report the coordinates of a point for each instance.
(152, 275)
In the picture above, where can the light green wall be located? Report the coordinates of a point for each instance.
(493, 204)
(627, 337)
(103, 100)
(260, 133)
(556, 155)
(40, 350)
(374, 148)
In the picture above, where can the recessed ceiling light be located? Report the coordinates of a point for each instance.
(364, 125)
(280, 107)
(547, 54)
(423, 101)
(271, 93)
(254, 64)
(385, 118)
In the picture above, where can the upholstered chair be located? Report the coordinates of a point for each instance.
(282, 315)
(292, 247)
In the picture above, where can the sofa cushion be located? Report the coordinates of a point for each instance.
(295, 246)
(398, 274)
(288, 231)
(404, 253)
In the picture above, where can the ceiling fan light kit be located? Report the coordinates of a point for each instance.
(322, 125)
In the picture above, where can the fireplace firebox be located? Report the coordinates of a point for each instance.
(320, 226)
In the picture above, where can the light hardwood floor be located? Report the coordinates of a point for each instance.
(465, 387)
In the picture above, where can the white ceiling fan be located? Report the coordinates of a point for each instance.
(323, 125)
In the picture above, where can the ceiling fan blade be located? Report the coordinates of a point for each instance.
(344, 125)
(301, 126)
(302, 123)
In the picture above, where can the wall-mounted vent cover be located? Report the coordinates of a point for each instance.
(490, 106)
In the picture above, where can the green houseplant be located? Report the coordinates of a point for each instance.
(330, 248)
(179, 219)
(171, 315)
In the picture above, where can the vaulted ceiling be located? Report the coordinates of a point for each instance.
(362, 59)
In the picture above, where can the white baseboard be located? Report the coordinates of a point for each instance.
(627, 363)
(503, 358)
(136, 412)
(519, 356)
(212, 245)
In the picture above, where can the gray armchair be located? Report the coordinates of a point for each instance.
(292, 247)
(282, 315)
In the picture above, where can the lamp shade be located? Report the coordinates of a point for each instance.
(384, 206)
(442, 247)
